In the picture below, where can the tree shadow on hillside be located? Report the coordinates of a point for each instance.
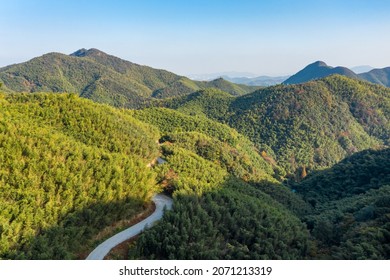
(233, 221)
(77, 231)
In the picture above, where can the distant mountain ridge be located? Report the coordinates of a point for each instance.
(362, 69)
(103, 78)
(317, 70)
(320, 69)
(378, 76)
(213, 76)
(244, 78)
(257, 81)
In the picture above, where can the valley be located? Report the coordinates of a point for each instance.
(298, 170)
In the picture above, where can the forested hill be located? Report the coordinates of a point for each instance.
(378, 76)
(317, 70)
(305, 126)
(103, 78)
(68, 169)
(351, 207)
(71, 168)
(285, 172)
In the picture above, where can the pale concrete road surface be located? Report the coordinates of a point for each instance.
(104, 248)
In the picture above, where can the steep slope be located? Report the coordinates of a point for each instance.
(220, 185)
(233, 222)
(311, 125)
(56, 72)
(210, 140)
(102, 78)
(350, 217)
(151, 78)
(378, 76)
(68, 169)
(318, 70)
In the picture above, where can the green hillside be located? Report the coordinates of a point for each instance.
(302, 127)
(351, 209)
(236, 221)
(71, 168)
(211, 140)
(225, 199)
(68, 168)
(317, 70)
(103, 78)
(348, 216)
(185, 86)
(378, 76)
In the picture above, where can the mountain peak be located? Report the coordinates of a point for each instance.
(319, 63)
(84, 52)
(79, 53)
(317, 70)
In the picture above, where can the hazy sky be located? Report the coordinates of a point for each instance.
(188, 36)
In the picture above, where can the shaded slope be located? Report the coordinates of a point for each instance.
(378, 76)
(234, 221)
(162, 203)
(210, 140)
(318, 70)
(216, 215)
(68, 169)
(309, 125)
(355, 175)
(350, 217)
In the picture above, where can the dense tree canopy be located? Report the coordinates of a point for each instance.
(303, 127)
(287, 172)
(67, 170)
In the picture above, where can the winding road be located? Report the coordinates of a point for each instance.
(104, 248)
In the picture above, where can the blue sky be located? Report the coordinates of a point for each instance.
(263, 37)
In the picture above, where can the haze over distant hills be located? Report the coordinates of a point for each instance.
(361, 69)
(282, 172)
(244, 78)
(316, 70)
(213, 76)
(257, 81)
(320, 69)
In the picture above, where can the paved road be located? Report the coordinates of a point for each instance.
(104, 248)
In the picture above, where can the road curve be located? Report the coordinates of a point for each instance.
(104, 248)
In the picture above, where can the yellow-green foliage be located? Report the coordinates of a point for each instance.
(311, 125)
(241, 160)
(103, 78)
(168, 121)
(211, 140)
(194, 174)
(90, 123)
(67, 170)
